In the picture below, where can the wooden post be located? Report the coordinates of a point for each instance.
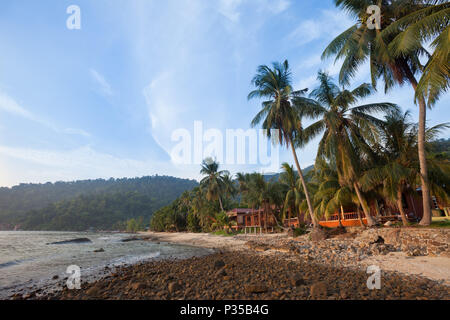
(342, 213)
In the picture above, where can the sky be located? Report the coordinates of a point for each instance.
(105, 100)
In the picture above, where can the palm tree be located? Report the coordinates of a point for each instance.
(398, 171)
(244, 186)
(359, 44)
(281, 110)
(431, 22)
(229, 186)
(294, 195)
(347, 131)
(330, 196)
(213, 182)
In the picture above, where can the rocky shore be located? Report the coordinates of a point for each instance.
(245, 276)
(275, 267)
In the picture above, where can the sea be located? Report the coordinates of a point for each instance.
(28, 261)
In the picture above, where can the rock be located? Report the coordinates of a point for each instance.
(412, 251)
(318, 235)
(379, 240)
(388, 224)
(100, 250)
(56, 277)
(138, 286)
(255, 288)
(297, 281)
(319, 290)
(131, 239)
(219, 264)
(221, 273)
(174, 287)
(73, 241)
(261, 248)
(93, 291)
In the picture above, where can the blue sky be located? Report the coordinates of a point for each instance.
(103, 101)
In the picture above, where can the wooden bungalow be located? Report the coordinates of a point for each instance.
(413, 208)
(251, 220)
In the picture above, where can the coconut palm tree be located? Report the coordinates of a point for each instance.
(359, 44)
(330, 197)
(430, 23)
(398, 170)
(347, 131)
(213, 182)
(294, 194)
(282, 110)
(229, 186)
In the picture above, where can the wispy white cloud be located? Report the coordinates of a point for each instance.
(104, 86)
(278, 6)
(328, 25)
(229, 9)
(232, 9)
(10, 105)
(79, 132)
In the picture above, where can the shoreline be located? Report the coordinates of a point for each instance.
(265, 257)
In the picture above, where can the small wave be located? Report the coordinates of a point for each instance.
(10, 263)
(135, 259)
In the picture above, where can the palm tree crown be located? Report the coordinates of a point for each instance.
(348, 129)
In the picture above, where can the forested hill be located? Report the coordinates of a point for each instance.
(33, 206)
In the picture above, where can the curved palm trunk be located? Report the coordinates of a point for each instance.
(370, 221)
(221, 205)
(259, 220)
(265, 217)
(360, 218)
(400, 207)
(427, 217)
(302, 179)
(377, 209)
(426, 220)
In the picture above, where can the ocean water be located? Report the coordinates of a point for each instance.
(28, 262)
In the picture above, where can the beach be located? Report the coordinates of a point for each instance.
(269, 267)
